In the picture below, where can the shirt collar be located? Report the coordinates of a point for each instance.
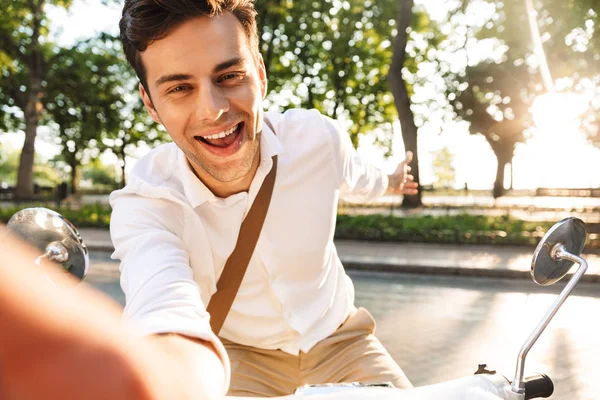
(196, 191)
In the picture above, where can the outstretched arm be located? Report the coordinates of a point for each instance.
(69, 343)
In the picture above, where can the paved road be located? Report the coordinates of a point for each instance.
(439, 328)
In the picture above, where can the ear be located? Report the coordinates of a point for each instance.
(262, 76)
(148, 103)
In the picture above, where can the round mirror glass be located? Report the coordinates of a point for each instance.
(570, 232)
(52, 234)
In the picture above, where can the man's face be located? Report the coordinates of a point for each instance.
(206, 88)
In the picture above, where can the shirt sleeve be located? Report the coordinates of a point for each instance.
(359, 180)
(160, 291)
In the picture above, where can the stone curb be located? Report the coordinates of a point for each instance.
(382, 266)
(449, 271)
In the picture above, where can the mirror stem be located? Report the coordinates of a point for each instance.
(558, 252)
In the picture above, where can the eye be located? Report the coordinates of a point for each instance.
(232, 76)
(179, 88)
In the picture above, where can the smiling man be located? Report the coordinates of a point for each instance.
(176, 223)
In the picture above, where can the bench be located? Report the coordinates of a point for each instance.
(568, 192)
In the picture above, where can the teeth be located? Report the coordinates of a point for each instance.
(222, 134)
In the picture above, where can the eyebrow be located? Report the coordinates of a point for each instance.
(183, 77)
(172, 78)
(228, 64)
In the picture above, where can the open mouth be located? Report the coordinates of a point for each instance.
(223, 139)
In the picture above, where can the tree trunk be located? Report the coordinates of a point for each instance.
(499, 189)
(24, 188)
(123, 164)
(74, 178)
(512, 176)
(503, 153)
(400, 93)
(311, 98)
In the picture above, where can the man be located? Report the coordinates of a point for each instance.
(71, 344)
(176, 223)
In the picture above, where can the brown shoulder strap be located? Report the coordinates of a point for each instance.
(237, 263)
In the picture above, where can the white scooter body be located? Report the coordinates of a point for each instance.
(476, 387)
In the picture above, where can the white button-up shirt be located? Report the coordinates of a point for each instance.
(173, 237)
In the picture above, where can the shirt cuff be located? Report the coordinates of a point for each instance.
(385, 183)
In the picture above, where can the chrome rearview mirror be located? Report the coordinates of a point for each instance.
(548, 267)
(55, 236)
(554, 256)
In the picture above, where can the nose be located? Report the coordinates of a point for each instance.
(211, 103)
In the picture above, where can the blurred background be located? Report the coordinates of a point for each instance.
(494, 97)
(498, 100)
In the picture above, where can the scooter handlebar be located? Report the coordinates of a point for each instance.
(538, 386)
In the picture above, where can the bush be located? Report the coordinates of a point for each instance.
(460, 229)
(465, 228)
(88, 216)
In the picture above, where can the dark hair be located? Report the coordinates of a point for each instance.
(144, 21)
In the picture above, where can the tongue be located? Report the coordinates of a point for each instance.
(223, 142)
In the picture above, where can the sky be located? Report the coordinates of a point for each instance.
(555, 156)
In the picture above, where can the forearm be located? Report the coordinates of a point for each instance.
(198, 360)
(364, 184)
(48, 334)
(51, 334)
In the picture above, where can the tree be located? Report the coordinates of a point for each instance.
(494, 91)
(335, 56)
(135, 127)
(575, 52)
(24, 57)
(132, 125)
(399, 89)
(496, 104)
(332, 56)
(84, 94)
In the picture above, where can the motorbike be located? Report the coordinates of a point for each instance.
(556, 253)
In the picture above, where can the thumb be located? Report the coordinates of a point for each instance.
(409, 157)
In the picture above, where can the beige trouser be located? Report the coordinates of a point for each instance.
(351, 354)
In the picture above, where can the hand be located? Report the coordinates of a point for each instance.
(401, 181)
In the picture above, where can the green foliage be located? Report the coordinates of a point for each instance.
(43, 174)
(472, 229)
(494, 93)
(573, 49)
(23, 38)
(9, 162)
(86, 98)
(88, 216)
(333, 56)
(135, 127)
(100, 174)
(467, 229)
(24, 57)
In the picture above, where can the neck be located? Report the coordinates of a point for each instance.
(226, 189)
